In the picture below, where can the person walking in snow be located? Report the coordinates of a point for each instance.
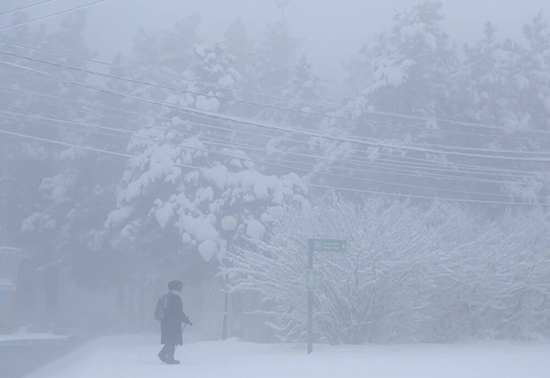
(169, 311)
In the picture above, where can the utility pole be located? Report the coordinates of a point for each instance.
(4, 186)
(229, 224)
(310, 305)
(282, 4)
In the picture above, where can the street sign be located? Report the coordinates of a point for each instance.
(311, 280)
(327, 245)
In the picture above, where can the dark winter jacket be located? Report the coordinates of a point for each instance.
(171, 324)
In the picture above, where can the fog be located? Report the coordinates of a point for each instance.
(328, 30)
(274, 186)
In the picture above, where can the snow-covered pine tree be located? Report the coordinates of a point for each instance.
(409, 70)
(276, 53)
(168, 49)
(59, 188)
(491, 90)
(497, 78)
(180, 184)
(241, 48)
(535, 68)
(189, 171)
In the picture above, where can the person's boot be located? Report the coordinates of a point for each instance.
(163, 356)
(171, 361)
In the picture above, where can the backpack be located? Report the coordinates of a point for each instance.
(160, 308)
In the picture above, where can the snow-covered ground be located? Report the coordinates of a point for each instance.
(135, 357)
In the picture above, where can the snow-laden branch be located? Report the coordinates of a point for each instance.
(409, 274)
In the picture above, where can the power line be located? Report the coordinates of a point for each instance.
(52, 15)
(180, 90)
(483, 170)
(277, 165)
(355, 166)
(266, 95)
(25, 7)
(309, 156)
(363, 191)
(467, 170)
(373, 143)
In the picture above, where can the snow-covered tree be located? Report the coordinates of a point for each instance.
(240, 46)
(212, 75)
(410, 66)
(492, 89)
(58, 194)
(170, 50)
(408, 275)
(535, 72)
(499, 88)
(179, 185)
(408, 69)
(62, 177)
(276, 53)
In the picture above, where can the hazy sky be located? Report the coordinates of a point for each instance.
(331, 30)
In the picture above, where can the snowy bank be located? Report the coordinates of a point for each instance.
(26, 338)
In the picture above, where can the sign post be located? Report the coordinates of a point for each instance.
(317, 245)
(310, 305)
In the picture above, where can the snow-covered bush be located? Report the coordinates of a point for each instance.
(409, 274)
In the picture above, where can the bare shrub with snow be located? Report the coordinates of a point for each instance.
(409, 274)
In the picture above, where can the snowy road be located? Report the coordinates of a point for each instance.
(135, 357)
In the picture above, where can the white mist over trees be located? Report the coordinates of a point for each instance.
(431, 160)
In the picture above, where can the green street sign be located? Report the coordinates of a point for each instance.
(311, 280)
(327, 245)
